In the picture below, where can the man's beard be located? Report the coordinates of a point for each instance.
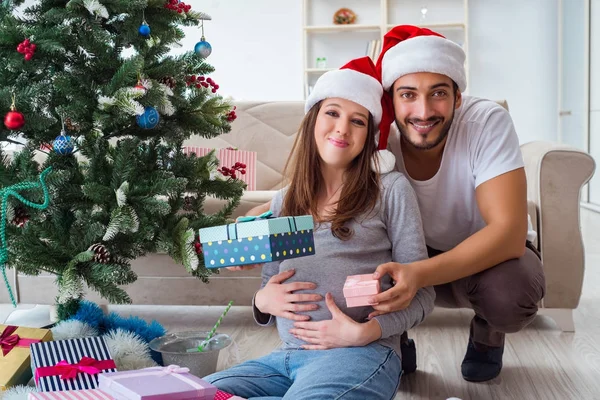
(425, 146)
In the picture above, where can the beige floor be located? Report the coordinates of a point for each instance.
(541, 362)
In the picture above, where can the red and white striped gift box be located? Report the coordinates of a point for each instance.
(228, 157)
(92, 394)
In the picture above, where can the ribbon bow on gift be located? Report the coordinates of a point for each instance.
(8, 341)
(265, 215)
(174, 369)
(87, 365)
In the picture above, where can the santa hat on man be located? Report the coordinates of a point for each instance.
(408, 49)
(359, 81)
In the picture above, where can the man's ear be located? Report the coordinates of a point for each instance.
(458, 100)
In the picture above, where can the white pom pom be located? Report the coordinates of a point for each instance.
(73, 329)
(386, 161)
(128, 350)
(17, 393)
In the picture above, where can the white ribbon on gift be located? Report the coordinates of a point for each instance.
(173, 370)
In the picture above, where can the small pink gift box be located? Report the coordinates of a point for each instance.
(88, 394)
(358, 289)
(165, 383)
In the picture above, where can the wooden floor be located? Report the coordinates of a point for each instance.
(540, 362)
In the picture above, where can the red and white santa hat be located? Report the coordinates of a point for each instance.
(409, 49)
(359, 81)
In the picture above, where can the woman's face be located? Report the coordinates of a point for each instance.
(341, 130)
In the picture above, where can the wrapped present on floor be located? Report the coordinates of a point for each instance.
(90, 394)
(72, 364)
(165, 383)
(221, 395)
(259, 239)
(359, 288)
(231, 160)
(15, 364)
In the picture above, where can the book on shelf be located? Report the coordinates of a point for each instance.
(373, 49)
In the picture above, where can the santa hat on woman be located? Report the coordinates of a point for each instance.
(409, 49)
(359, 81)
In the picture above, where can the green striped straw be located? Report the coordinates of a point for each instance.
(214, 329)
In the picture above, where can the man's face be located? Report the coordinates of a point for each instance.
(424, 105)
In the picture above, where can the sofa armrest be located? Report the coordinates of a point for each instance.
(555, 176)
(249, 200)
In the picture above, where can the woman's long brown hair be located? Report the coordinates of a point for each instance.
(360, 192)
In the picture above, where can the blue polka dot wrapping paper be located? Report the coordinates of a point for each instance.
(258, 241)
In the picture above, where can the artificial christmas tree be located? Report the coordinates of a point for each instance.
(111, 108)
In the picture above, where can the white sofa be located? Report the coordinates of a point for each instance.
(555, 176)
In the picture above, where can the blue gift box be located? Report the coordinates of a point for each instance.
(257, 241)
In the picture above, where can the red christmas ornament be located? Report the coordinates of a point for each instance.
(14, 120)
(27, 49)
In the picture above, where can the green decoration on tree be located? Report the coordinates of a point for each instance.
(120, 194)
(5, 194)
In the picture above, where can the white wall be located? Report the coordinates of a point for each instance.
(513, 53)
(257, 47)
(257, 53)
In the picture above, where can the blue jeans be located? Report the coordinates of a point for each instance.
(369, 372)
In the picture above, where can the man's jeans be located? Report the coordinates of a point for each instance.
(369, 372)
(505, 297)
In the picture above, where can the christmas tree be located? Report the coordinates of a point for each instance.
(91, 83)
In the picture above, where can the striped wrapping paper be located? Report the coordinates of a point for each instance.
(48, 354)
(227, 158)
(93, 394)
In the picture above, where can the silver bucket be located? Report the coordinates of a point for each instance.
(174, 350)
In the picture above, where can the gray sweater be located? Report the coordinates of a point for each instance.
(392, 232)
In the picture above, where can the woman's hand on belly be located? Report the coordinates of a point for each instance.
(278, 298)
(339, 331)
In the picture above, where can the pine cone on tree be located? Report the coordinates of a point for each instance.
(168, 81)
(187, 203)
(101, 254)
(21, 216)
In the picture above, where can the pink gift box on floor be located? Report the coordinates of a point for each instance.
(164, 383)
(88, 394)
(227, 158)
(359, 288)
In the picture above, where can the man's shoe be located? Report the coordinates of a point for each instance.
(481, 364)
(409, 354)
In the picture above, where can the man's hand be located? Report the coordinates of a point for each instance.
(339, 331)
(399, 296)
(278, 298)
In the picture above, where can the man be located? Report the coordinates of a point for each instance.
(462, 157)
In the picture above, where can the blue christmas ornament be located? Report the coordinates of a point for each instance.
(149, 119)
(63, 144)
(203, 48)
(144, 29)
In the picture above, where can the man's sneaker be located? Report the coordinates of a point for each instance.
(481, 364)
(409, 354)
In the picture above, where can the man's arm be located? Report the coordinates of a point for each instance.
(502, 203)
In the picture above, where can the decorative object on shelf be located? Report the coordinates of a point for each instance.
(14, 119)
(344, 16)
(149, 119)
(424, 10)
(203, 48)
(322, 62)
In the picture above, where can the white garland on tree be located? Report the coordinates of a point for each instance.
(96, 8)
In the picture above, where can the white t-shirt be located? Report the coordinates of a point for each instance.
(482, 144)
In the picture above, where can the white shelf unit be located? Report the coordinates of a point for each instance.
(341, 43)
